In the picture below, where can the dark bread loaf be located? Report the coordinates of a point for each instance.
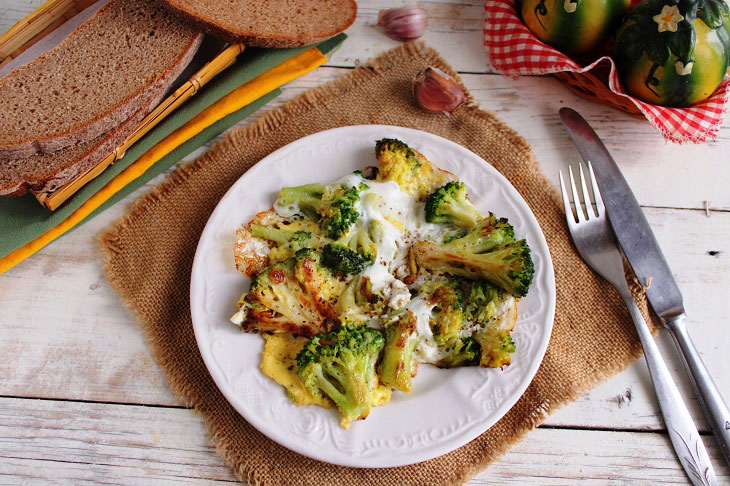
(268, 23)
(104, 72)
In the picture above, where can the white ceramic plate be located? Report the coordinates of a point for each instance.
(447, 408)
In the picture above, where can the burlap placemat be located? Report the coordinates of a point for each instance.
(149, 254)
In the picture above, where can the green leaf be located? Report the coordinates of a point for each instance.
(682, 43)
(657, 49)
(629, 42)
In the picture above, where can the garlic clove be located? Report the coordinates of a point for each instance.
(405, 23)
(437, 92)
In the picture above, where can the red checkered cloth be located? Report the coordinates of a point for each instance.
(514, 50)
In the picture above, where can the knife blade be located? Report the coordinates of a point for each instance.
(627, 219)
(647, 260)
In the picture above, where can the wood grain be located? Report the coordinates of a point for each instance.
(121, 444)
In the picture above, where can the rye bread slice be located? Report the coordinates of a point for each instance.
(99, 76)
(48, 172)
(268, 23)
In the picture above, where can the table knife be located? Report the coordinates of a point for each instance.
(643, 253)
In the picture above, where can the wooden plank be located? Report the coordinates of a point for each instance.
(661, 174)
(452, 26)
(118, 444)
(84, 345)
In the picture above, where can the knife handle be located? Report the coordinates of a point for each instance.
(708, 395)
(682, 430)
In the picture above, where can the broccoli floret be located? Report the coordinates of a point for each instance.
(307, 198)
(358, 301)
(398, 365)
(294, 295)
(344, 261)
(355, 251)
(341, 365)
(509, 266)
(449, 204)
(460, 352)
(447, 317)
(296, 240)
(363, 239)
(338, 212)
(409, 169)
(483, 301)
(496, 348)
(488, 234)
(332, 205)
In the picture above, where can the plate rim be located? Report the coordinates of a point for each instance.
(435, 451)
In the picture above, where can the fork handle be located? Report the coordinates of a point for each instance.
(711, 401)
(682, 430)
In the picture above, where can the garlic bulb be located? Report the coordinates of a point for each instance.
(437, 92)
(405, 23)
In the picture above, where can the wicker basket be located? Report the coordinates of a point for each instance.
(595, 89)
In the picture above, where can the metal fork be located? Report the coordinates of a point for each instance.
(595, 241)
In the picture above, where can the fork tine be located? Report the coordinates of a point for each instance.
(600, 208)
(576, 198)
(566, 202)
(586, 195)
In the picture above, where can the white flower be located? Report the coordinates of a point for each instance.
(683, 69)
(668, 18)
(570, 5)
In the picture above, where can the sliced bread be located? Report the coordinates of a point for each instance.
(48, 172)
(98, 77)
(268, 23)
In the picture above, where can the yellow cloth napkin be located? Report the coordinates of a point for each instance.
(235, 100)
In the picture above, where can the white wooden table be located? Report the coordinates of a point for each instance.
(81, 398)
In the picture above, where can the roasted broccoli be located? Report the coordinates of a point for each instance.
(341, 365)
(398, 365)
(295, 295)
(483, 301)
(307, 199)
(296, 240)
(488, 234)
(460, 352)
(496, 348)
(356, 250)
(409, 169)
(338, 212)
(343, 260)
(358, 301)
(449, 204)
(447, 317)
(333, 206)
(509, 266)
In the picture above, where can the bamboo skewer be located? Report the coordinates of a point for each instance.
(225, 59)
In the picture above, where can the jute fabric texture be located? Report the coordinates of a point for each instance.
(149, 255)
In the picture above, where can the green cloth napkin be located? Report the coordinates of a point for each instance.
(23, 219)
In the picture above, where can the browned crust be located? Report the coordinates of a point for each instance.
(248, 38)
(53, 180)
(105, 121)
